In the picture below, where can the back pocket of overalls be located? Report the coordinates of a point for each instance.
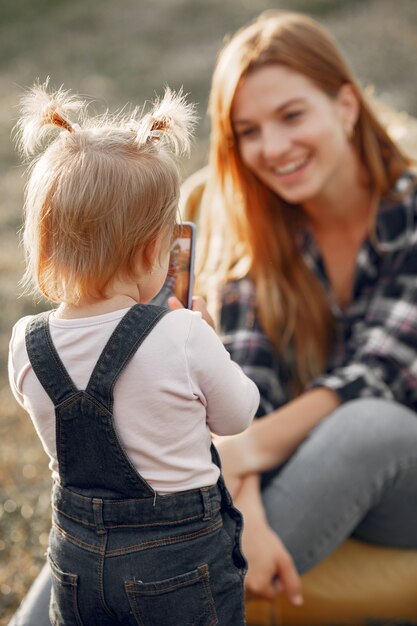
(63, 608)
(184, 600)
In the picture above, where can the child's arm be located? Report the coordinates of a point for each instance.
(230, 397)
(17, 341)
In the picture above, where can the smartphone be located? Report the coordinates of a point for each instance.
(181, 271)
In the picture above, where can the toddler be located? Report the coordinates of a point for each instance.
(124, 394)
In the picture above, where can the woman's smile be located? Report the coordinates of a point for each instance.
(291, 167)
(291, 172)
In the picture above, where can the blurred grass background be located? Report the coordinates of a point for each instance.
(119, 52)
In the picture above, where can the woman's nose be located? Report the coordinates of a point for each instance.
(275, 143)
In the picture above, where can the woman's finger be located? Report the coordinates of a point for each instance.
(289, 580)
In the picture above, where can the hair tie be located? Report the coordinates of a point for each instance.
(155, 135)
(57, 120)
(170, 122)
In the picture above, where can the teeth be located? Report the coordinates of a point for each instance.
(289, 168)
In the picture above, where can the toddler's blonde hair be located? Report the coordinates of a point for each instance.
(100, 192)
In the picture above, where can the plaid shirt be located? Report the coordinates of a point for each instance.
(375, 349)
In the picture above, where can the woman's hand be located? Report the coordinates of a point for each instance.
(270, 566)
(198, 305)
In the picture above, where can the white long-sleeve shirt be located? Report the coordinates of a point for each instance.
(179, 386)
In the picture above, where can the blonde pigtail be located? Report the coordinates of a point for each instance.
(171, 120)
(42, 112)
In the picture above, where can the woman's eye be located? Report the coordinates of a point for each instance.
(248, 132)
(293, 115)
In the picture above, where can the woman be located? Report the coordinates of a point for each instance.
(309, 234)
(308, 247)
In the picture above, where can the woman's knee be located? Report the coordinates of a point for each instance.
(367, 426)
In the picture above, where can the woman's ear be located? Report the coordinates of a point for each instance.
(348, 103)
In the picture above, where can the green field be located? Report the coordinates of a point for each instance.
(120, 51)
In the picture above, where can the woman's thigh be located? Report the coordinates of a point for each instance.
(356, 473)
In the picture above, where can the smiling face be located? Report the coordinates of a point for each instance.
(292, 136)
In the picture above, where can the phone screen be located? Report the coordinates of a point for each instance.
(181, 272)
(180, 278)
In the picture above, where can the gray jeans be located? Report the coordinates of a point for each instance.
(354, 475)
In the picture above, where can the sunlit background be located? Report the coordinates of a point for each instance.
(126, 51)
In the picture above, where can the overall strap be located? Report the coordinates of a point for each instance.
(91, 458)
(129, 334)
(122, 345)
(45, 360)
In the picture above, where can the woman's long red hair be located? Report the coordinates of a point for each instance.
(245, 229)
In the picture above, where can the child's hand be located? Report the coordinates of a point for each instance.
(198, 305)
(174, 303)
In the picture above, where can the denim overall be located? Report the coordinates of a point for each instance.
(120, 553)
